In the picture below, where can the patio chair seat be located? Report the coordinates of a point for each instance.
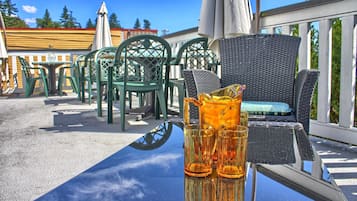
(266, 108)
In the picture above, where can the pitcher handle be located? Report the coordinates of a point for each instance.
(186, 109)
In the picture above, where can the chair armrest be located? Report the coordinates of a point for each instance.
(62, 68)
(65, 67)
(303, 90)
(36, 68)
(41, 69)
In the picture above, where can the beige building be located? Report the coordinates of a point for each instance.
(35, 45)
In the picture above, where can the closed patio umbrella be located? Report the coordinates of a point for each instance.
(224, 19)
(102, 36)
(3, 53)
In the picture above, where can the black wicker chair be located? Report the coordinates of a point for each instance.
(266, 64)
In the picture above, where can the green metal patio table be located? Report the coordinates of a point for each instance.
(51, 67)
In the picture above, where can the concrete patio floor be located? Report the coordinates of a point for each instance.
(46, 141)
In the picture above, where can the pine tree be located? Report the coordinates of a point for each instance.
(9, 8)
(137, 24)
(44, 22)
(147, 24)
(2, 7)
(9, 11)
(113, 21)
(90, 24)
(67, 20)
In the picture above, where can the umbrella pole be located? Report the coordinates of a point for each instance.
(257, 16)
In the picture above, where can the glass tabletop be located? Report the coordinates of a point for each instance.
(282, 166)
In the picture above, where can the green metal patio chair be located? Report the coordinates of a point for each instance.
(104, 58)
(138, 67)
(31, 78)
(70, 73)
(88, 76)
(79, 64)
(194, 54)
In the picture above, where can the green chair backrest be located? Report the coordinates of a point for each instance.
(195, 54)
(104, 58)
(25, 67)
(80, 60)
(77, 63)
(142, 59)
(89, 65)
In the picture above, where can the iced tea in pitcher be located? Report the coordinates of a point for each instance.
(220, 109)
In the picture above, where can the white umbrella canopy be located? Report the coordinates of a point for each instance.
(102, 37)
(3, 54)
(224, 19)
(3, 51)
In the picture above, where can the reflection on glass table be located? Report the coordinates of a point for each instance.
(155, 138)
(151, 168)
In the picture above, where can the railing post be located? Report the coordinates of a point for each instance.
(325, 67)
(348, 71)
(305, 46)
(286, 30)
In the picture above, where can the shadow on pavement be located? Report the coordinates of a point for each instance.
(71, 115)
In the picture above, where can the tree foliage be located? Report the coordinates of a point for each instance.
(147, 24)
(14, 22)
(46, 21)
(137, 24)
(67, 20)
(8, 8)
(336, 70)
(113, 21)
(314, 63)
(9, 11)
(90, 24)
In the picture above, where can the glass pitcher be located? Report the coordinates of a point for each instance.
(220, 109)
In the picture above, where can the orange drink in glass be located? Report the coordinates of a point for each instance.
(198, 149)
(232, 152)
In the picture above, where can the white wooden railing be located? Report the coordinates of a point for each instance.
(321, 13)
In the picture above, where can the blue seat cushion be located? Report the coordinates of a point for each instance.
(266, 108)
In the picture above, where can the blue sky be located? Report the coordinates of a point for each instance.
(173, 15)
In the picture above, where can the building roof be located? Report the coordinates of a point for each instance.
(22, 39)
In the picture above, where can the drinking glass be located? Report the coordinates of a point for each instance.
(198, 148)
(232, 152)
